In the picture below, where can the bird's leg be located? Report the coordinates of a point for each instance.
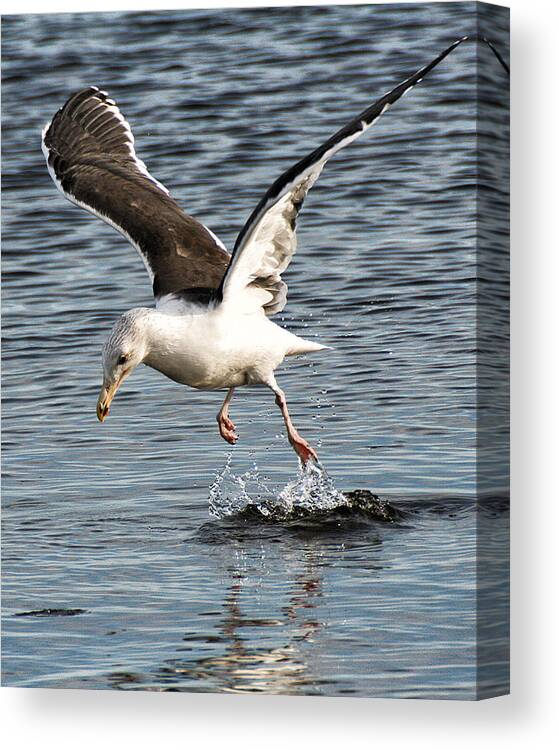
(299, 444)
(226, 426)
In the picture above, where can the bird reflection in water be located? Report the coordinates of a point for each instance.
(248, 667)
(250, 662)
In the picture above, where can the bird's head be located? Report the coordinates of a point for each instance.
(123, 351)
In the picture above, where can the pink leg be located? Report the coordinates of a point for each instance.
(226, 426)
(299, 444)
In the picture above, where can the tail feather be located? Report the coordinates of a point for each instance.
(303, 346)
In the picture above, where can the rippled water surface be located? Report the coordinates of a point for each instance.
(114, 572)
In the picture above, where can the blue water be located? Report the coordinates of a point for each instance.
(108, 545)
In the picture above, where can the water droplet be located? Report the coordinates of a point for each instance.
(312, 490)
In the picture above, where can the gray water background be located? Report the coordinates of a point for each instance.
(111, 522)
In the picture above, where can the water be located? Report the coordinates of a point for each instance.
(114, 572)
(312, 490)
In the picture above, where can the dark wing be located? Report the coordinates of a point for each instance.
(267, 242)
(89, 149)
(497, 54)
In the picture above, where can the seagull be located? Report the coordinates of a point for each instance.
(210, 328)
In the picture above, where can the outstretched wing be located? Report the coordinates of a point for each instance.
(90, 154)
(267, 242)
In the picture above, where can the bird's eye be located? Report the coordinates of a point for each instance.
(122, 359)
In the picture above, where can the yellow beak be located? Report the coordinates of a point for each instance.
(104, 401)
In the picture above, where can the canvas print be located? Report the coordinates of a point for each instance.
(255, 359)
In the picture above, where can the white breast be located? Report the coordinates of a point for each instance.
(211, 349)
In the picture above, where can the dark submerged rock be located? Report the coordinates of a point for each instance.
(50, 613)
(357, 508)
(371, 505)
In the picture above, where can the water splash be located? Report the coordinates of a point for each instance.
(311, 491)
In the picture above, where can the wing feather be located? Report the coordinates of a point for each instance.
(89, 149)
(267, 242)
